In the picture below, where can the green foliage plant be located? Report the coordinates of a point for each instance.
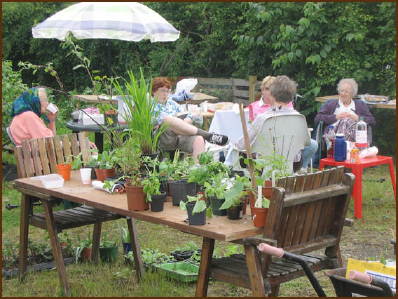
(151, 185)
(12, 87)
(216, 187)
(207, 170)
(106, 160)
(233, 195)
(126, 238)
(129, 160)
(200, 205)
(141, 115)
(85, 243)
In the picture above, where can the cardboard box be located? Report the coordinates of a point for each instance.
(93, 119)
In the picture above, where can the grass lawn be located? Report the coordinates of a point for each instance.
(369, 238)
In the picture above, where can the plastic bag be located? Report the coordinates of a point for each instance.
(186, 84)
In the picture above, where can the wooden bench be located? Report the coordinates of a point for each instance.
(39, 157)
(307, 213)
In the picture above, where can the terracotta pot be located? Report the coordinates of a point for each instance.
(86, 254)
(136, 198)
(102, 174)
(267, 192)
(259, 216)
(64, 170)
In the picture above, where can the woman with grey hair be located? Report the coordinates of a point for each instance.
(282, 92)
(345, 111)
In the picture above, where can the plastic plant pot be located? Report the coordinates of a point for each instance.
(158, 202)
(215, 204)
(197, 218)
(235, 212)
(108, 254)
(64, 170)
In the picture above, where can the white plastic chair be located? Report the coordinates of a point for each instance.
(284, 134)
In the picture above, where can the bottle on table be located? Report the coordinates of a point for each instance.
(340, 148)
(330, 136)
(361, 134)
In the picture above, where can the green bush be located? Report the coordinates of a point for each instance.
(12, 87)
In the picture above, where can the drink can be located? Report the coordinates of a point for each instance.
(355, 155)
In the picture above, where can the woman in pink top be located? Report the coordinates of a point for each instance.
(260, 106)
(26, 112)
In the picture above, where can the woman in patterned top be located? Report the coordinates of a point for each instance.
(180, 134)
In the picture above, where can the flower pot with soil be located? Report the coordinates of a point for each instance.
(235, 212)
(64, 170)
(235, 197)
(106, 165)
(179, 190)
(196, 209)
(136, 198)
(108, 251)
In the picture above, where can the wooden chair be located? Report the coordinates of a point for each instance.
(39, 157)
(307, 213)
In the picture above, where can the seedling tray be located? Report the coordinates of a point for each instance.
(181, 271)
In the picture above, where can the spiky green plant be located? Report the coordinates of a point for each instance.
(141, 114)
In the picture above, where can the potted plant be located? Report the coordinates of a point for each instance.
(126, 240)
(83, 251)
(215, 193)
(177, 171)
(71, 163)
(128, 158)
(151, 186)
(110, 114)
(136, 94)
(108, 250)
(268, 169)
(233, 197)
(196, 209)
(105, 165)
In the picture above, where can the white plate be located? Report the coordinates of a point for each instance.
(103, 97)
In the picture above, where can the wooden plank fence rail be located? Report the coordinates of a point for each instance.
(230, 89)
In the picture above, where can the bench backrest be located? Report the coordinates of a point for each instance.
(40, 156)
(309, 212)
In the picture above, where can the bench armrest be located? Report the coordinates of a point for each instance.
(257, 240)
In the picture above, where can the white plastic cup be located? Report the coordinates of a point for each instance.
(52, 108)
(204, 107)
(85, 174)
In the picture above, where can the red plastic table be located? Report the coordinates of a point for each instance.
(357, 170)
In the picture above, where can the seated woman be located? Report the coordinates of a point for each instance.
(180, 134)
(281, 94)
(264, 102)
(344, 112)
(26, 112)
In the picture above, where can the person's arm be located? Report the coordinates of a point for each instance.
(362, 110)
(51, 125)
(252, 132)
(326, 113)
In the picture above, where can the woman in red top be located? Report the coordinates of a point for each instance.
(26, 112)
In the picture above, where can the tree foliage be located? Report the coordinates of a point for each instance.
(315, 43)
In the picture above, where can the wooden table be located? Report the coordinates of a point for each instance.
(217, 227)
(198, 98)
(386, 105)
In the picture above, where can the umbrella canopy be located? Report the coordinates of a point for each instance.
(128, 21)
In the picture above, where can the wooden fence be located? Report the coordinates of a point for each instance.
(230, 89)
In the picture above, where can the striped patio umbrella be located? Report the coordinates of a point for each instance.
(128, 21)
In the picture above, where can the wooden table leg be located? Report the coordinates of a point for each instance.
(204, 269)
(254, 271)
(96, 242)
(57, 253)
(23, 235)
(136, 248)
